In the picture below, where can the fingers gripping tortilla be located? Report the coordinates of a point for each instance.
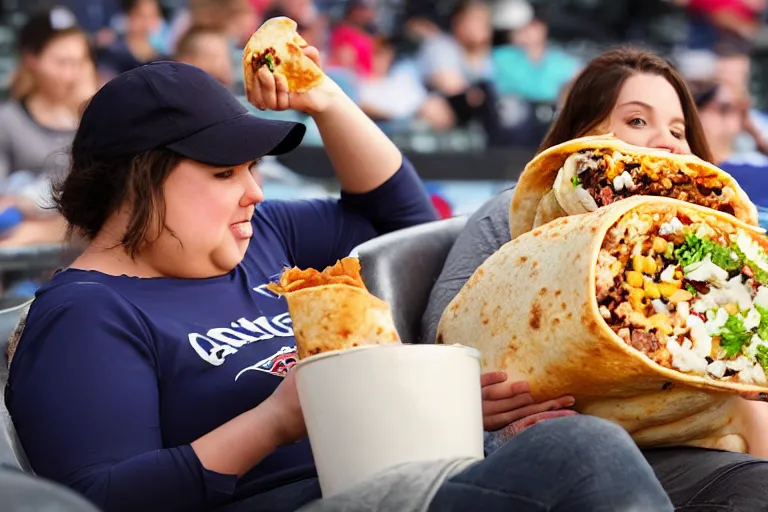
(652, 312)
(278, 46)
(333, 310)
(584, 174)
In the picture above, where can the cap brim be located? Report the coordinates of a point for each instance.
(240, 140)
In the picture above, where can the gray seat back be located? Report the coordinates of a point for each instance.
(11, 452)
(401, 268)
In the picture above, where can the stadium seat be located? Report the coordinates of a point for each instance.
(401, 268)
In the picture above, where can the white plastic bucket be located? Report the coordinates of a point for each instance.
(371, 408)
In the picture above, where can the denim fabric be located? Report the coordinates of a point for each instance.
(578, 463)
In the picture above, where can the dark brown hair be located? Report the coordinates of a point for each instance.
(95, 188)
(594, 92)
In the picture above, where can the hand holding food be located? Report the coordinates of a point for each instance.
(333, 310)
(286, 413)
(283, 72)
(509, 406)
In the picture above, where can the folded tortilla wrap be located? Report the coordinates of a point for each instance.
(651, 312)
(333, 310)
(278, 46)
(584, 174)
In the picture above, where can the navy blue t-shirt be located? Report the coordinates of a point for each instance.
(115, 376)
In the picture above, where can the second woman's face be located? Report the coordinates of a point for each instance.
(648, 113)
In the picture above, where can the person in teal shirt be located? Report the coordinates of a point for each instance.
(528, 67)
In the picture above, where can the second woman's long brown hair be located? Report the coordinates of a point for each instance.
(594, 92)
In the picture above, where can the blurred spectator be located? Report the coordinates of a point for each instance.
(237, 19)
(724, 112)
(134, 47)
(312, 24)
(54, 77)
(95, 17)
(715, 22)
(732, 66)
(451, 63)
(528, 67)
(208, 49)
(393, 92)
(351, 42)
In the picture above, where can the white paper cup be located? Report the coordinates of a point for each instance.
(370, 408)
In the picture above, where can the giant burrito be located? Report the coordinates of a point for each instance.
(333, 310)
(584, 174)
(652, 312)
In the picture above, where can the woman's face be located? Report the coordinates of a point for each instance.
(208, 214)
(723, 118)
(61, 67)
(473, 28)
(648, 113)
(145, 19)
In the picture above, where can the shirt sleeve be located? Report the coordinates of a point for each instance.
(486, 231)
(318, 232)
(83, 394)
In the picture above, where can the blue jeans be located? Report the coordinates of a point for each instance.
(577, 463)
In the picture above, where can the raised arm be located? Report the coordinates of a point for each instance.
(381, 191)
(84, 397)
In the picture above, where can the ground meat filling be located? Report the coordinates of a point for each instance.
(267, 58)
(689, 292)
(628, 177)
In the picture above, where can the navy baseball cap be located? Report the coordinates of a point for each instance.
(182, 108)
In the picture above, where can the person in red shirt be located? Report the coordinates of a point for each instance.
(351, 43)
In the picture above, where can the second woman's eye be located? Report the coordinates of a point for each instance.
(637, 121)
(677, 134)
(225, 174)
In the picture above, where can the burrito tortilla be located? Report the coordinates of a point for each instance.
(333, 310)
(651, 312)
(585, 174)
(278, 46)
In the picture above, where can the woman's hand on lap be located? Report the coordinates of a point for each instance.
(509, 406)
(270, 92)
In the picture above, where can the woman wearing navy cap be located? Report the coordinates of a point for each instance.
(152, 375)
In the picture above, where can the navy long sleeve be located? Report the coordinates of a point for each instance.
(115, 376)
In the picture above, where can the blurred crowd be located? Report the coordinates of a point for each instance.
(488, 68)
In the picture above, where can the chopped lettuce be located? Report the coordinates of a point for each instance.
(761, 276)
(762, 329)
(733, 335)
(270, 62)
(762, 356)
(693, 291)
(752, 255)
(695, 249)
(575, 181)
